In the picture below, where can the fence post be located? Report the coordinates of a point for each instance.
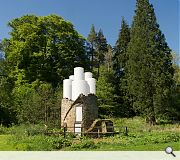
(98, 133)
(64, 129)
(119, 131)
(126, 131)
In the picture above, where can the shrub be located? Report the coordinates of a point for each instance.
(3, 130)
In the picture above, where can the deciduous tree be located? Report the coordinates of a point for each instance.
(45, 48)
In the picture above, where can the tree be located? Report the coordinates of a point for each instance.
(1, 60)
(7, 113)
(36, 103)
(119, 62)
(176, 67)
(149, 68)
(120, 56)
(92, 37)
(1, 51)
(45, 48)
(105, 90)
(109, 58)
(101, 49)
(174, 113)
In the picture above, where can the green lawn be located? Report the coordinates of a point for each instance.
(4, 143)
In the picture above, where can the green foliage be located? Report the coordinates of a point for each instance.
(3, 130)
(33, 137)
(101, 47)
(39, 143)
(149, 68)
(7, 114)
(139, 142)
(98, 50)
(4, 145)
(40, 99)
(92, 40)
(105, 92)
(45, 48)
(109, 58)
(141, 136)
(84, 144)
(120, 57)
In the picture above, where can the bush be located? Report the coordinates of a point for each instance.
(27, 129)
(3, 130)
(33, 137)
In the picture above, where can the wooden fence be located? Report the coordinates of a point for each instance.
(95, 134)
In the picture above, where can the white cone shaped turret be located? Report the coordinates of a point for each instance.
(88, 75)
(67, 88)
(71, 77)
(79, 87)
(79, 83)
(78, 73)
(92, 85)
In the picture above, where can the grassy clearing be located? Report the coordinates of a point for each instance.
(141, 137)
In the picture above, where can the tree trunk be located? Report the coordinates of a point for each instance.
(92, 58)
(98, 70)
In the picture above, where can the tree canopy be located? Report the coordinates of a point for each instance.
(45, 48)
(149, 66)
(135, 77)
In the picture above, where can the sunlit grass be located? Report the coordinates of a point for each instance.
(4, 143)
(141, 137)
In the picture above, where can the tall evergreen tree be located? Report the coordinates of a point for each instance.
(109, 58)
(105, 90)
(120, 56)
(92, 37)
(119, 62)
(101, 49)
(1, 53)
(149, 66)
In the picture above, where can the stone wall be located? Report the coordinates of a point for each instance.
(89, 111)
(70, 118)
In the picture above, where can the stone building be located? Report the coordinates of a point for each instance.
(89, 113)
(79, 111)
(79, 104)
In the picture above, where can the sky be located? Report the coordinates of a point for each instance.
(104, 14)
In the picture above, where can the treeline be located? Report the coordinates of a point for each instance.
(137, 76)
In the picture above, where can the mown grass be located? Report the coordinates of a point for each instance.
(141, 137)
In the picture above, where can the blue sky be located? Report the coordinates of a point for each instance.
(105, 14)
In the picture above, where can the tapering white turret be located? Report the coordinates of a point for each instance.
(67, 88)
(79, 83)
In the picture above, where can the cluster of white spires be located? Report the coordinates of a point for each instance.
(79, 83)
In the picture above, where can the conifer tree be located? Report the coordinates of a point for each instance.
(120, 56)
(92, 37)
(150, 73)
(101, 49)
(123, 107)
(109, 58)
